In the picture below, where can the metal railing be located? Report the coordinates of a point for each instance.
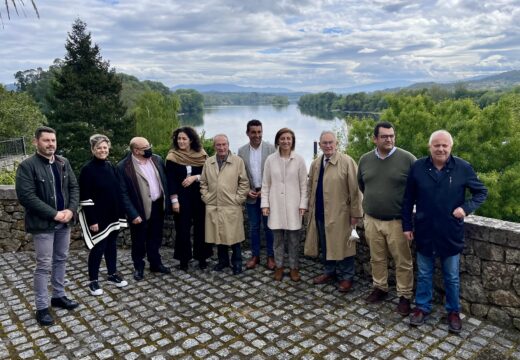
(12, 147)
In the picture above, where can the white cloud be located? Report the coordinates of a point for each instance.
(299, 44)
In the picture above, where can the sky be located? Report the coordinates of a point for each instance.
(302, 45)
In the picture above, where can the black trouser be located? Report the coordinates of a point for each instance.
(188, 216)
(223, 254)
(107, 247)
(147, 237)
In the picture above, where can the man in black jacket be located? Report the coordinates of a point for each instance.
(144, 192)
(47, 188)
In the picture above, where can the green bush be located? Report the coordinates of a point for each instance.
(7, 177)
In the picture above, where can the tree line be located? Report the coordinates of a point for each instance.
(244, 98)
(332, 103)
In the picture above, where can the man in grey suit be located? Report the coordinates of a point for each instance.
(254, 154)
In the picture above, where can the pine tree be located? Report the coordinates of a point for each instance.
(85, 99)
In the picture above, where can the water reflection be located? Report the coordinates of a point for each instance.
(232, 120)
(192, 119)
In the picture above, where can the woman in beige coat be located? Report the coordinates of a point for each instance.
(284, 200)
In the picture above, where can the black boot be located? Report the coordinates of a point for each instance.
(44, 317)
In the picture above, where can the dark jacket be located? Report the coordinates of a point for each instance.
(36, 191)
(131, 196)
(99, 183)
(436, 195)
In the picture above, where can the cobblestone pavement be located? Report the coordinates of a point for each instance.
(208, 315)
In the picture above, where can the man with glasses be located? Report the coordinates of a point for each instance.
(144, 192)
(382, 177)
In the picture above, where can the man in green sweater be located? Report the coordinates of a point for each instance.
(382, 177)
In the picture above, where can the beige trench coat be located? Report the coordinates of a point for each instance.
(342, 200)
(224, 193)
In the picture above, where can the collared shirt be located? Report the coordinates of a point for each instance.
(221, 162)
(389, 154)
(326, 160)
(255, 159)
(148, 169)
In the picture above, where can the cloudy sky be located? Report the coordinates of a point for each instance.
(309, 45)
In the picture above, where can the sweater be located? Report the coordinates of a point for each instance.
(382, 182)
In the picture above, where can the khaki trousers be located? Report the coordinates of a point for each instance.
(386, 238)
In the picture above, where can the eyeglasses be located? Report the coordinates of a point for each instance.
(384, 137)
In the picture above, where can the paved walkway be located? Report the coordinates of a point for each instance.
(208, 315)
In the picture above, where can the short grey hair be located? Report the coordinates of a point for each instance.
(439, 132)
(328, 132)
(97, 139)
(220, 135)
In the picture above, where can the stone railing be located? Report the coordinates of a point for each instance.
(490, 263)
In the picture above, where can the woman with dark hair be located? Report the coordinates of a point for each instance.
(101, 214)
(183, 168)
(284, 200)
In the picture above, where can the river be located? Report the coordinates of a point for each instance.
(232, 121)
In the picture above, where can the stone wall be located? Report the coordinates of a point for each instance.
(489, 270)
(490, 263)
(8, 162)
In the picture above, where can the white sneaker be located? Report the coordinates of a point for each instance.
(117, 280)
(94, 288)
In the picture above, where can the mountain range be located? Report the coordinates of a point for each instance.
(505, 80)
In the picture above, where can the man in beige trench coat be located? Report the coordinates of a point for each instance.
(334, 208)
(224, 186)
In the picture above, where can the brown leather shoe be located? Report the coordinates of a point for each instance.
(344, 286)
(271, 264)
(323, 279)
(295, 275)
(403, 308)
(278, 274)
(376, 296)
(454, 322)
(251, 263)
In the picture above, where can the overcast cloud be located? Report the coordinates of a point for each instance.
(297, 44)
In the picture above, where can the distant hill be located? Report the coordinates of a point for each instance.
(502, 81)
(231, 88)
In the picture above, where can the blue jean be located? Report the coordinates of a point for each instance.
(343, 269)
(52, 250)
(254, 216)
(450, 274)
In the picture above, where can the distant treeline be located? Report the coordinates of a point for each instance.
(329, 102)
(251, 98)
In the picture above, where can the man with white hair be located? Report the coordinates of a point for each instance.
(437, 185)
(224, 186)
(334, 209)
